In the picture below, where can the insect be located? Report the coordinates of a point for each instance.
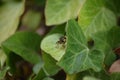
(62, 41)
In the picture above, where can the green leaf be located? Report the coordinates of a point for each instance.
(3, 72)
(106, 42)
(50, 46)
(10, 13)
(58, 12)
(94, 17)
(24, 44)
(2, 58)
(31, 19)
(38, 67)
(78, 56)
(41, 75)
(50, 65)
(102, 75)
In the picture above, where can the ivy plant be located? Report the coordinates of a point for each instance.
(59, 40)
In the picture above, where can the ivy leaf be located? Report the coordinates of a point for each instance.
(10, 13)
(61, 11)
(78, 56)
(50, 46)
(38, 67)
(51, 39)
(101, 43)
(41, 75)
(24, 44)
(102, 75)
(94, 17)
(50, 65)
(106, 42)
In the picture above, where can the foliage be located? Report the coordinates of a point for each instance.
(50, 39)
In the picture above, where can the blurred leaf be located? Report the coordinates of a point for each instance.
(24, 44)
(2, 58)
(58, 12)
(31, 19)
(10, 13)
(50, 65)
(38, 67)
(3, 72)
(41, 75)
(50, 46)
(95, 17)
